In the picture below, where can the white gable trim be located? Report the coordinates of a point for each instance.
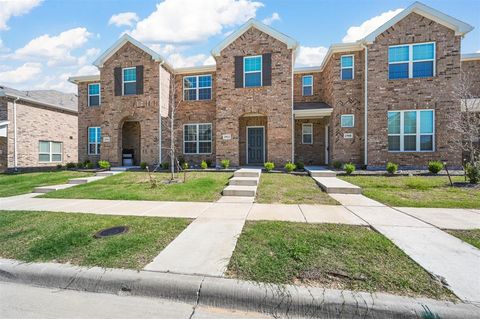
(119, 43)
(460, 28)
(84, 78)
(291, 43)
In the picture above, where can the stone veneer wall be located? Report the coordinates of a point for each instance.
(273, 101)
(420, 93)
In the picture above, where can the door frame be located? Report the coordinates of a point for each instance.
(327, 144)
(263, 131)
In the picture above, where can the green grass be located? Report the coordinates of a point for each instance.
(199, 187)
(16, 184)
(291, 189)
(327, 255)
(417, 191)
(66, 237)
(471, 236)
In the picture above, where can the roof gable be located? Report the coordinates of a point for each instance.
(458, 26)
(120, 43)
(252, 23)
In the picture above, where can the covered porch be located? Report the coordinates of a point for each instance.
(312, 132)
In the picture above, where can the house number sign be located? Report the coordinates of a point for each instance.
(348, 135)
(226, 136)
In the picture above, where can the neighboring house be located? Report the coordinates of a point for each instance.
(38, 128)
(387, 97)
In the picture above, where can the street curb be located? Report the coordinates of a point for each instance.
(230, 293)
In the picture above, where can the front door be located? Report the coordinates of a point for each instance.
(255, 145)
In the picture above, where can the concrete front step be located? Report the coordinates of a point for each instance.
(108, 173)
(244, 181)
(318, 171)
(84, 180)
(337, 186)
(247, 172)
(51, 188)
(236, 190)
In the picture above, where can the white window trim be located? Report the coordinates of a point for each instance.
(50, 153)
(345, 115)
(349, 67)
(303, 133)
(99, 94)
(261, 70)
(197, 88)
(311, 85)
(123, 79)
(96, 143)
(198, 139)
(410, 59)
(417, 133)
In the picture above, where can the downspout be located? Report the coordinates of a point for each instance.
(365, 156)
(293, 115)
(160, 113)
(15, 157)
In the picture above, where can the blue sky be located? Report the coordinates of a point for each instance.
(42, 43)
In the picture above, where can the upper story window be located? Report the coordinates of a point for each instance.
(94, 140)
(49, 151)
(307, 133)
(94, 94)
(129, 79)
(197, 87)
(411, 131)
(346, 66)
(252, 71)
(197, 138)
(411, 61)
(307, 85)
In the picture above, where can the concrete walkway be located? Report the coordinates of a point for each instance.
(327, 180)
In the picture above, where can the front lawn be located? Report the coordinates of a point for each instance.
(15, 183)
(291, 189)
(199, 187)
(471, 236)
(328, 255)
(68, 238)
(417, 191)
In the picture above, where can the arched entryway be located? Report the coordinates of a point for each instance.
(253, 139)
(131, 143)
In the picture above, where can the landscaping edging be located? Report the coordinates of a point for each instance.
(229, 293)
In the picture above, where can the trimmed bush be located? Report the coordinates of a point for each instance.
(225, 163)
(185, 165)
(392, 168)
(473, 172)
(104, 164)
(59, 166)
(337, 164)
(435, 166)
(88, 165)
(204, 165)
(70, 165)
(80, 165)
(300, 165)
(143, 165)
(209, 163)
(165, 165)
(290, 167)
(349, 168)
(269, 166)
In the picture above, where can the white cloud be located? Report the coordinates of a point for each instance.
(311, 56)
(179, 61)
(209, 61)
(355, 33)
(177, 21)
(274, 17)
(56, 49)
(124, 18)
(12, 8)
(88, 57)
(22, 74)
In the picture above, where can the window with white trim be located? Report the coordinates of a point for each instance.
(252, 71)
(129, 81)
(94, 94)
(197, 87)
(307, 133)
(94, 140)
(346, 67)
(307, 85)
(411, 131)
(411, 61)
(49, 151)
(197, 138)
(347, 120)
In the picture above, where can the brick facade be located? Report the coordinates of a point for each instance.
(472, 72)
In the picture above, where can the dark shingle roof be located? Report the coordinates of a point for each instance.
(310, 105)
(52, 98)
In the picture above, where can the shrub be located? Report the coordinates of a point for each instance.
(290, 167)
(349, 168)
(435, 166)
(392, 168)
(104, 164)
(70, 165)
(300, 165)
(80, 165)
(143, 165)
(165, 165)
(89, 165)
(473, 172)
(181, 161)
(185, 165)
(59, 166)
(337, 164)
(269, 166)
(209, 163)
(225, 163)
(204, 165)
